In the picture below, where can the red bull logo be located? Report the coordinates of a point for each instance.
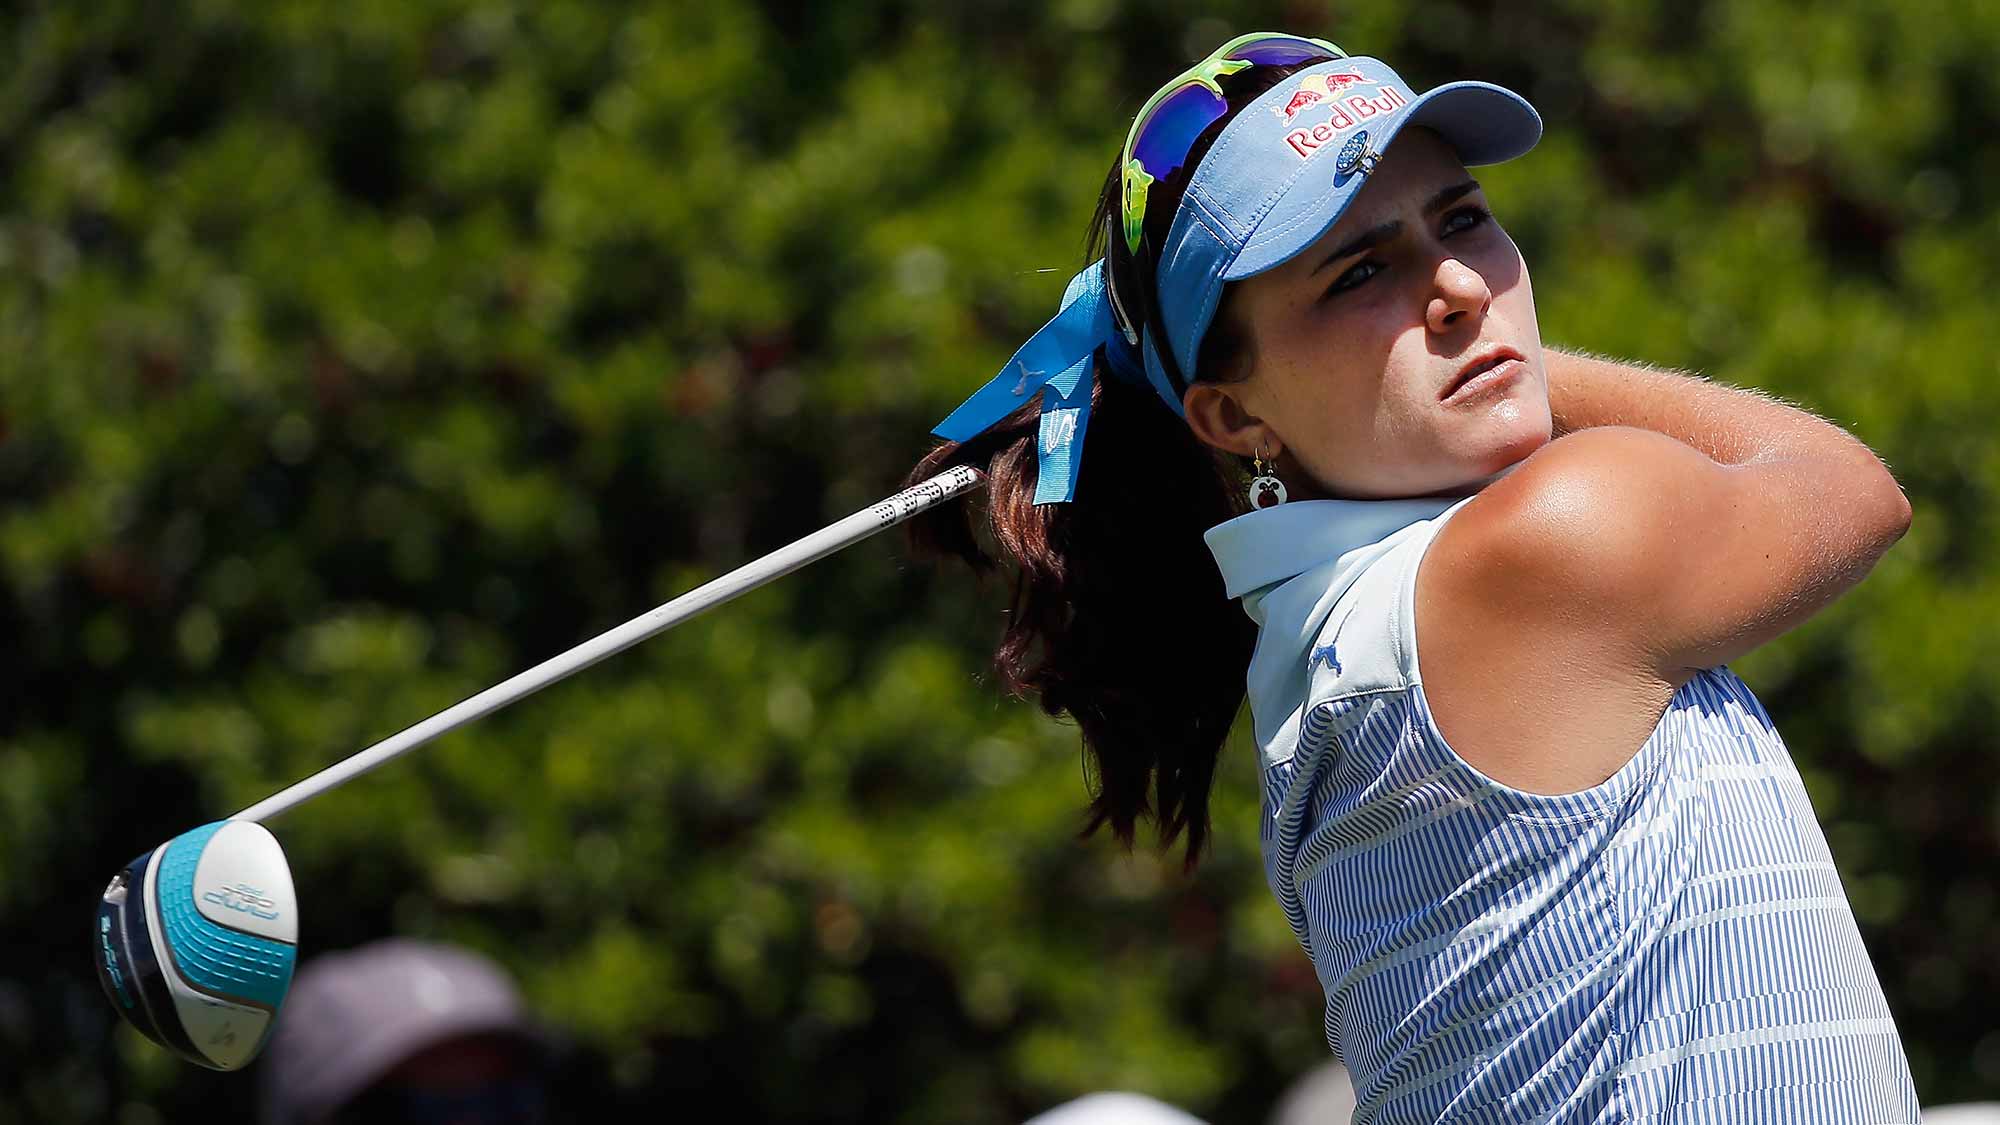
(1346, 114)
(1314, 89)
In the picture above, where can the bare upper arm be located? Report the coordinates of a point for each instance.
(1647, 553)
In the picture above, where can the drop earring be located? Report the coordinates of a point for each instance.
(1266, 490)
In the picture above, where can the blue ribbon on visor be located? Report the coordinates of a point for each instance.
(1057, 361)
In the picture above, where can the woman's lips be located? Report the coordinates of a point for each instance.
(1492, 375)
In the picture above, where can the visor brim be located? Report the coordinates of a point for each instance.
(1483, 123)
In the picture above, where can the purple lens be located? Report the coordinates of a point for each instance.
(1170, 129)
(1280, 52)
(1168, 132)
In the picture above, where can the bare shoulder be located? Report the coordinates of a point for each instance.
(1614, 564)
(1590, 514)
(1664, 555)
(1535, 669)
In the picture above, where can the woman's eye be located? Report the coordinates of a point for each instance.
(1353, 276)
(1465, 218)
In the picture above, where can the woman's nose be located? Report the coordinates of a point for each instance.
(1460, 295)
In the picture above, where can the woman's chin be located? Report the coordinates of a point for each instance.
(1513, 453)
(1508, 441)
(1493, 460)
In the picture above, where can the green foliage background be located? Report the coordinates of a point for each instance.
(354, 356)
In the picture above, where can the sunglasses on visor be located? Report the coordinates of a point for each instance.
(1157, 145)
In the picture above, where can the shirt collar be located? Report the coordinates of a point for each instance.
(1283, 541)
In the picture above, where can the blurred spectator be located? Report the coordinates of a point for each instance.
(1323, 1095)
(1965, 1113)
(401, 1032)
(1114, 1108)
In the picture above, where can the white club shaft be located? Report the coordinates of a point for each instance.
(742, 580)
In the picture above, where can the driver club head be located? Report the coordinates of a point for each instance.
(196, 939)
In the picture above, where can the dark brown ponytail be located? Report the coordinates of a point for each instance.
(1119, 616)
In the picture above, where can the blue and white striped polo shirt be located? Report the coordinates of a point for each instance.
(1672, 945)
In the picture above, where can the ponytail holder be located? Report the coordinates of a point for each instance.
(1057, 362)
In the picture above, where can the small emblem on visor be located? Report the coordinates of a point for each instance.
(1356, 156)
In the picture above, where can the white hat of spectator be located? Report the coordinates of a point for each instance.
(1114, 1108)
(1964, 1113)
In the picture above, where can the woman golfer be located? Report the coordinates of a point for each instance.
(1550, 858)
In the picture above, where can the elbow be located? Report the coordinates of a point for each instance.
(1889, 507)
(1899, 513)
(1900, 519)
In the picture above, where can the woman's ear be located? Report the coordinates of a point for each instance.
(1216, 414)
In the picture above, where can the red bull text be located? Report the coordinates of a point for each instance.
(1347, 113)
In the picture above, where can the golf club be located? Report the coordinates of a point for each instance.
(196, 939)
